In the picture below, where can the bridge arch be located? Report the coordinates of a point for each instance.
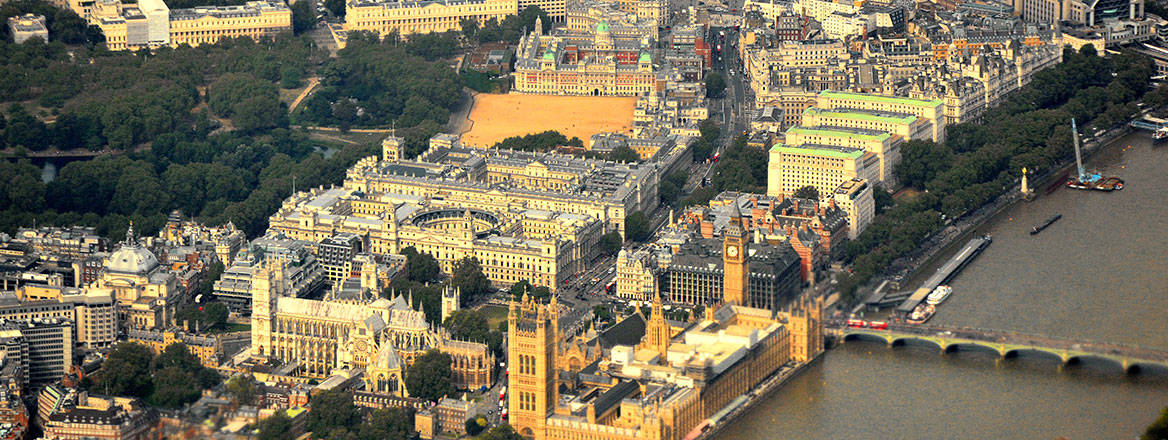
(865, 336)
(902, 340)
(1138, 367)
(1077, 359)
(1038, 352)
(973, 346)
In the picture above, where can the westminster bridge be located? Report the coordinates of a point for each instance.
(1005, 343)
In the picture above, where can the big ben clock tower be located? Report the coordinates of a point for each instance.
(735, 288)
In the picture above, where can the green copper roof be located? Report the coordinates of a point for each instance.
(549, 55)
(819, 150)
(880, 98)
(645, 58)
(884, 117)
(837, 132)
(602, 26)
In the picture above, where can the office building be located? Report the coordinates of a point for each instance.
(24, 27)
(406, 17)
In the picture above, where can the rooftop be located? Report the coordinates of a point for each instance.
(865, 115)
(880, 98)
(820, 150)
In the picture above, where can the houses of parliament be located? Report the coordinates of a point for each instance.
(661, 385)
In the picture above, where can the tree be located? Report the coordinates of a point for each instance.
(468, 277)
(172, 388)
(126, 372)
(276, 427)
(471, 325)
(807, 192)
(637, 227)
(250, 102)
(337, 7)
(502, 432)
(388, 423)
(715, 85)
(623, 154)
(331, 409)
(429, 378)
(609, 243)
(1158, 430)
(420, 267)
(519, 288)
(921, 161)
(207, 285)
(469, 27)
(243, 389)
(302, 16)
(475, 425)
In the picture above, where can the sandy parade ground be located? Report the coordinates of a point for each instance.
(495, 117)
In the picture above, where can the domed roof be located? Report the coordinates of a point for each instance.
(645, 58)
(131, 257)
(602, 26)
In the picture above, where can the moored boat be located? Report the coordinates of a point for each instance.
(921, 313)
(1039, 227)
(938, 295)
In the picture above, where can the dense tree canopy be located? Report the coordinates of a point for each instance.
(501, 432)
(610, 243)
(250, 102)
(637, 227)
(468, 277)
(243, 388)
(126, 372)
(715, 85)
(420, 267)
(331, 409)
(275, 427)
(171, 380)
(510, 29)
(670, 188)
(544, 141)
(119, 100)
(471, 325)
(429, 378)
(807, 192)
(388, 83)
(623, 154)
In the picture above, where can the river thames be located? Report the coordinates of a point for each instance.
(1098, 274)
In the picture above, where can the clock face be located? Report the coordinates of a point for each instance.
(732, 251)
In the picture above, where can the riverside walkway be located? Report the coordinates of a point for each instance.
(1006, 344)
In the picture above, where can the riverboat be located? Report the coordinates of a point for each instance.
(1086, 179)
(1160, 135)
(939, 295)
(921, 313)
(1039, 227)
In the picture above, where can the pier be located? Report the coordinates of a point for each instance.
(946, 272)
(1005, 344)
(1150, 123)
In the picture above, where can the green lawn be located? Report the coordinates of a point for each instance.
(495, 314)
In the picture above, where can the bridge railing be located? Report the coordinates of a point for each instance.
(994, 335)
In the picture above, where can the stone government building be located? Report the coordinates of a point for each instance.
(533, 216)
(659, 383)
(354, 328)
(596, 63)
